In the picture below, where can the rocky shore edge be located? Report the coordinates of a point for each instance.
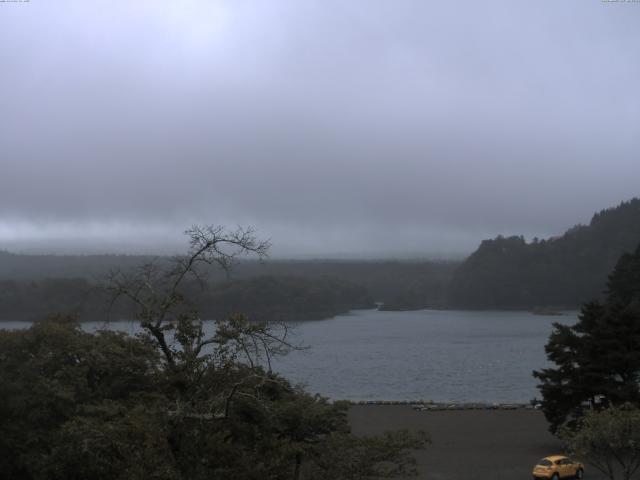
(438, 406)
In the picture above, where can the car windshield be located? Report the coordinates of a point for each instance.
(544, 462)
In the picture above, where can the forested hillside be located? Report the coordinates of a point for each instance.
(39, 284)
(558, 272)
(260, 298)
(399, 285)
(281, 298)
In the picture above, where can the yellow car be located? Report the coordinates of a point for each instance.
(556, 467)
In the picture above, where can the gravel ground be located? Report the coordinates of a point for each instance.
(468, 444)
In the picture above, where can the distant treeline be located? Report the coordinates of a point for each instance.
(398, 285)
(260, 298)
(559, 272)
(38, 267)
(283, 298)
(503, 273)
(35, 284)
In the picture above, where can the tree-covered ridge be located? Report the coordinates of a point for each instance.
(282, 298)
(566, 271)
(33, 285)
(264, 298)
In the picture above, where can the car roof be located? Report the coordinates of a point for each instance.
(555, 457)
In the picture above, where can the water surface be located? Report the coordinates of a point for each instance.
(427, 354)
(462, 356)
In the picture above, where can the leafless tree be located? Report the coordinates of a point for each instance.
(175, 326)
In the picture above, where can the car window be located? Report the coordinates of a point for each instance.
(558, 462)
(544, 462)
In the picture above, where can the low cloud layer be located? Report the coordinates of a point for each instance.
(406, 128)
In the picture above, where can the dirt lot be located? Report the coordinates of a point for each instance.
(468, 444)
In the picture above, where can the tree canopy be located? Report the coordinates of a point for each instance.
(597, 359)
(174, 403)
(609, 440)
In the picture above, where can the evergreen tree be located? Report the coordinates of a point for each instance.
(598, 359)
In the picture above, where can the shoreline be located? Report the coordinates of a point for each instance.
(428, 405)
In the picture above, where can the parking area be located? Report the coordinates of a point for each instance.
(468, 444)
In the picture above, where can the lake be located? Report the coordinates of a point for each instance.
(439, 355)
(428, 354)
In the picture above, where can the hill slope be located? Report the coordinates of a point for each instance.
(559, 272)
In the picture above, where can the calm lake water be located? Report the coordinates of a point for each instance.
(428, 354)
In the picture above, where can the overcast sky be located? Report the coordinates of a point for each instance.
(347, 127)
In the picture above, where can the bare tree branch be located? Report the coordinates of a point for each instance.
(154, 291)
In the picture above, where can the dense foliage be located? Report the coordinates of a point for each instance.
(174, 403)
(560, 272)
(597, 360)
(609, 440)
(77, 405)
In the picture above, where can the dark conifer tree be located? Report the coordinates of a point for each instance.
(597, 359)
